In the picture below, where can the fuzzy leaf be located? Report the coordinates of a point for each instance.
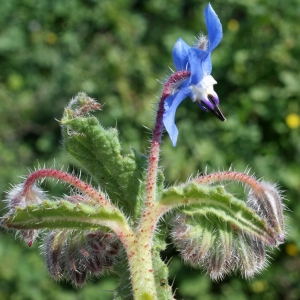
(63, 214)
(98, 150)
(198, 200)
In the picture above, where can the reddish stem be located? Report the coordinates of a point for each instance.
(157, 134)
(229, 175)
(63, 176)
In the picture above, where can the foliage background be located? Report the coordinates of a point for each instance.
(115, 51)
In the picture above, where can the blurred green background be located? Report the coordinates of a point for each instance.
(116, 51)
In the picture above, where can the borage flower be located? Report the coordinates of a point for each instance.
(199, 84)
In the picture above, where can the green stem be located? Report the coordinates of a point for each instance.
(139, 253)
(140, 263)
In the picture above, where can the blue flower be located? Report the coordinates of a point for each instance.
(199, 85)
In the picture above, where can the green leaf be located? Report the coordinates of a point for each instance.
(198, 200)
(63, 214)
(98, 150)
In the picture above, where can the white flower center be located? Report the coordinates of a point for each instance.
(204, 88)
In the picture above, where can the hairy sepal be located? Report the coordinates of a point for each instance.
(197, 200)
(63, 214)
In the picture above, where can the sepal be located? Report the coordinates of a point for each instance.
(220, 233)
(21, 196)
(63, 214)
(75, 255)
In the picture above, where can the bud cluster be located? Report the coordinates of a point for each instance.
(82, 105)
(217, 247)
(220, 247)
(75, 255)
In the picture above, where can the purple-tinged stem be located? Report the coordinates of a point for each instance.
(157, 134)
(140, 249)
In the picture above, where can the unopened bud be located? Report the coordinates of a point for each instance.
(267, 202)
(19, 196)
(81, 105)
(75, 255)
(219, 247)
(54, 243)
(94, 264)
(74, 268)
(78, 276)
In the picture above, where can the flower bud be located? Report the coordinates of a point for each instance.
(75, 255)
(94, 263)
(206, 241)
(267, 202)
(78, 276)
(235, 245)
(54, 243)
(219, 260)
(81, 105)
(74, 267)
(249, 254)
(19, 196)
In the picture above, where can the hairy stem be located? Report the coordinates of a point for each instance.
(157, 134)
(65, 177)
(139, 251)
(232, 176)
(154, 155)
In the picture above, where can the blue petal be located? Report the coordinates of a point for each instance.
(214, 27)
(180, 54)
(196, 57)
(171, 104)
(207, 65)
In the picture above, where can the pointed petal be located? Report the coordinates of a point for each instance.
(180, 54)
(171, 104)
(207, 65)
(196, 56)
(214, 27)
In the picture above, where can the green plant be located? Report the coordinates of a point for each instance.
(122, 224)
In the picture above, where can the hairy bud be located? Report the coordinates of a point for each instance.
(76, 255)
(267, 202)
(218, 248)
(81, 105)
(54, 243)
(21, 196)
(215, 244)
